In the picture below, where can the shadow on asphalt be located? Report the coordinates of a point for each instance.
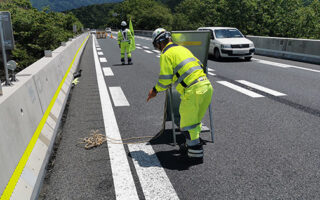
(172, 159)
(227, 60)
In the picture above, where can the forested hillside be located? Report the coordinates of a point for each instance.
(62, 5)
(35, 31)
(279, 18)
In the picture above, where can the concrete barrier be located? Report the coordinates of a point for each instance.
(30, 112)
(289, 48)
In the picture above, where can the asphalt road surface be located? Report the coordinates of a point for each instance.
(266, 115)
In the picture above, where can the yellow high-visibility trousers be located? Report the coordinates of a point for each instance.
(125, 48)
(194, 104)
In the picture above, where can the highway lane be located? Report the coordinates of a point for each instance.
(265, 147)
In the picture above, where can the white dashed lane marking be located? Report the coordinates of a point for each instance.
(264, 89)
(100, 53)
(103, 59)
(107, 71)
(146, 47)
(212, 74)
(210, 70)
(157, 187)
(147, 51)
(118, 97)
(240, 89)
(138, 47)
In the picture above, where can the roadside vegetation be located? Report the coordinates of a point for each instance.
(275, 18)
(35, 31)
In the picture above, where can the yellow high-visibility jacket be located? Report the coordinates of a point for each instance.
(178, 66)
(124, 36)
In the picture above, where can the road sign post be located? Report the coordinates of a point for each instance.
(6, 40)
(198, 43)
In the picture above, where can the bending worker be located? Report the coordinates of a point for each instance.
(180, 67)
(124, 38)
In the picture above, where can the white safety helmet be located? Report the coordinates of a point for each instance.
(123, 23)
(159, 35)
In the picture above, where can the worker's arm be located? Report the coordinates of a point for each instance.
(165, 77)
(166, 74)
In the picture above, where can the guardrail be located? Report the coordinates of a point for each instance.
(289, 48)
(30, 113)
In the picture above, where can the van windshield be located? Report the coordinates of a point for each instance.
(228, 33)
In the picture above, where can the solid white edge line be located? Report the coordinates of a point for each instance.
(122, 178)
(259, 87)
(266, 62)
(240, 89)
(107, 71)
(118, 97)
(153, 178)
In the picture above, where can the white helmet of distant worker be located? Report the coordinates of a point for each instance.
(123, 23)
(159, 35)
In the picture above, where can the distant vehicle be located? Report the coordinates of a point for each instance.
(108, 30)
(93, 31)
(229, 42)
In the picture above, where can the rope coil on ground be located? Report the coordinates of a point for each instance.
(96, 139)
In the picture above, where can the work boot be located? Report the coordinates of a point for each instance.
(129, 61)
(195, 153)
(122, 61)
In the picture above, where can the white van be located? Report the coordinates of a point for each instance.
(229, 42)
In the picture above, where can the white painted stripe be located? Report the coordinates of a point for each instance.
(156, 51)
(146, 47)
(122, 178)
(100, 53)
(284, 65)
(118, 97)
(99, 49)
(210, 70)
(212, 74)
(103, 59)
(158, 56)
(307, 69)
(266, 62)
(258, 87)
(138, 44)
(154, 180)
(107, 71)
(138, 47)
(240, 89)
(148, 51)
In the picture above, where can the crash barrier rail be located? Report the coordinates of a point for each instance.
(30, 112)
(289, 48)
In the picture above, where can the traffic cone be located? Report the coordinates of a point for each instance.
(111, 35)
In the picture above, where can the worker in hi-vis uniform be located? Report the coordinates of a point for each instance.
(180, 67)
(124, 40)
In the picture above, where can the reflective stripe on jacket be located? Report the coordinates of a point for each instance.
(124, 36)
(178, 66)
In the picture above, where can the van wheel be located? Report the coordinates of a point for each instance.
(216, 54)
(248, 58)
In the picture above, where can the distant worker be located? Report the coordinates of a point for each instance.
(180, 67)
(124, 41)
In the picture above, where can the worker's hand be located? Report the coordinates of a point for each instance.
(151, 94)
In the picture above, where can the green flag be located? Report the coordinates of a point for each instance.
(133, 43)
